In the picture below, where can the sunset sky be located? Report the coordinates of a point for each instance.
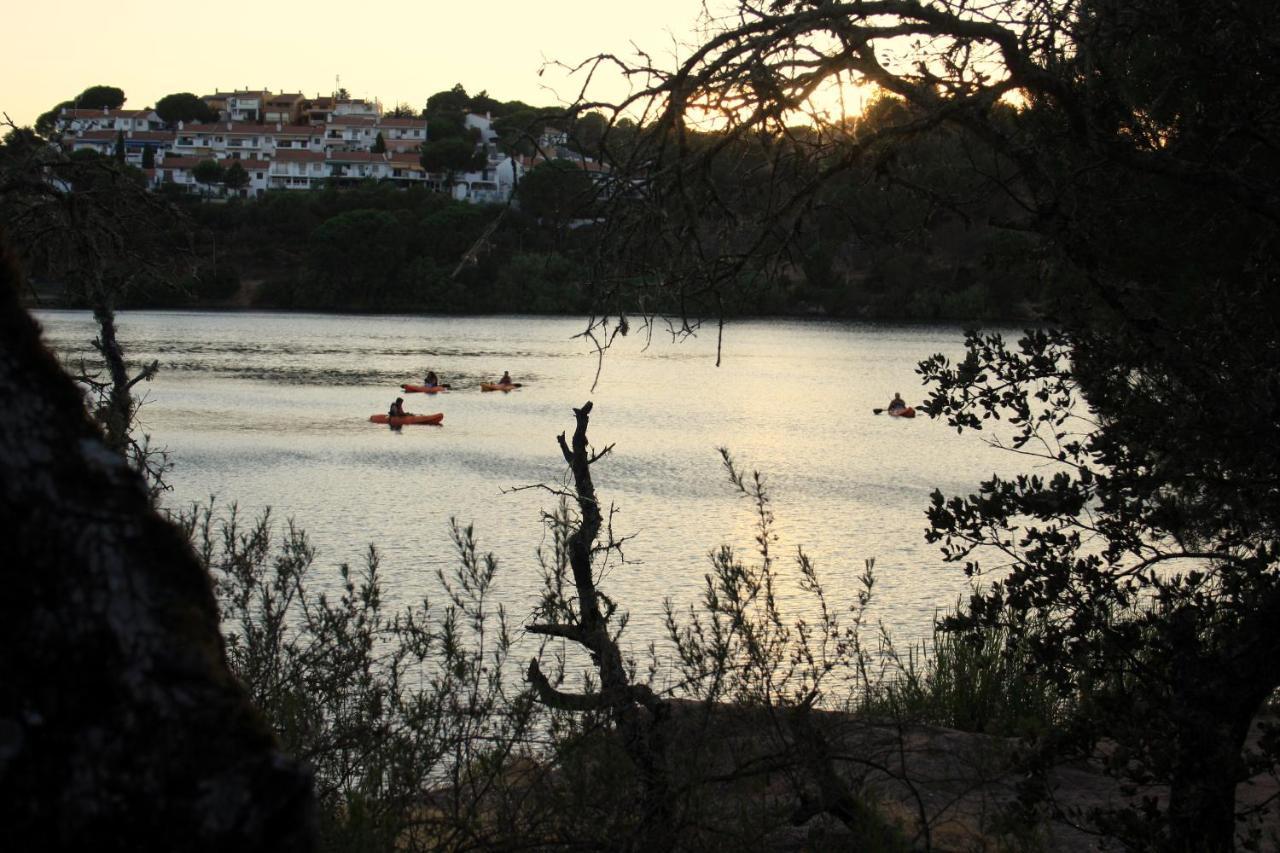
(393, 50)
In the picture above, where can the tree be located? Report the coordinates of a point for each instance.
(482, 104)
(235, 177)
(92, 98)
(1145, 166)
(119, 152)
(208, 172)
(184, 107)
(358, 252)
(451, 155)
(100, 97)
(148, 157)
(90, 221)
(556, 192)
(379, 144)
(451, 101)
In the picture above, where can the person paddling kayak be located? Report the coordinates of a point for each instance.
(397, 409)
(897, 404)
(432, 381)
(506, 379)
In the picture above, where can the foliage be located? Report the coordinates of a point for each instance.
(1137, 178)
(450, 101)
(208, 172)
(92, 98)
(234, 177)
(452, 154)
(557, 192)
(89, 221)
(406, 718)
(184, 107)
(360, 250)
(540, 284)
(984, 680)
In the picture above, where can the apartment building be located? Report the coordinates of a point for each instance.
(288, 142)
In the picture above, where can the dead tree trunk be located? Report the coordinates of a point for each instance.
(636, 711)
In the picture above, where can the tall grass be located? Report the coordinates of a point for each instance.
(980, 679)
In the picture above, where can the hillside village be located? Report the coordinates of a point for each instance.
(288, 141)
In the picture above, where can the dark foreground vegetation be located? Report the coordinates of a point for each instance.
(1125, 151)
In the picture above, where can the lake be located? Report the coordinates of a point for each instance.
(271, 410)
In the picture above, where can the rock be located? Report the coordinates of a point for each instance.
(121, 727)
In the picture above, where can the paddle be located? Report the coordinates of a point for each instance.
(876, 411)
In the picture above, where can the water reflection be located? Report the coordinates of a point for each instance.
(272, 409)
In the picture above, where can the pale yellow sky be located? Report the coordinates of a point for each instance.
(393, 50)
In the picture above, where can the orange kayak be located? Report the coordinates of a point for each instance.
(908, 412)
(493, 386)
(407, 419)
(423, 389)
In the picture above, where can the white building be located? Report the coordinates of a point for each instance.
(350, 133)
(180, 171)
(406, 168)
(356, 108)
(355, 166)
(297, 170)
(72, 122)
(218, 141)
(135, 143)
(296, 137)
(402, 134)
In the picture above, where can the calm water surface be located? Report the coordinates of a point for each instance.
(271, 410)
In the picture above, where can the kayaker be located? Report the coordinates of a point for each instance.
(397, 409)
(506, 378)
(432, 380)
(897, 404)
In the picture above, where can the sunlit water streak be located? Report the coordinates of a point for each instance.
(271, 410)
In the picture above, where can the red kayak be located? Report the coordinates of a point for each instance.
(908, 412)
(407, 419)
(424, 389)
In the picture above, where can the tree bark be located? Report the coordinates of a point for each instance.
(121, 727)
(638, 713)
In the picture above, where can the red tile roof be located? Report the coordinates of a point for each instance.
(71, 113)
(298, 130)
(403, 122)
(356, 156)
(144, 135)
(109, 136)
(233, 128)
(171, 162)
(287, 155)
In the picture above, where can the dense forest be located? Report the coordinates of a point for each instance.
(872, 248)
